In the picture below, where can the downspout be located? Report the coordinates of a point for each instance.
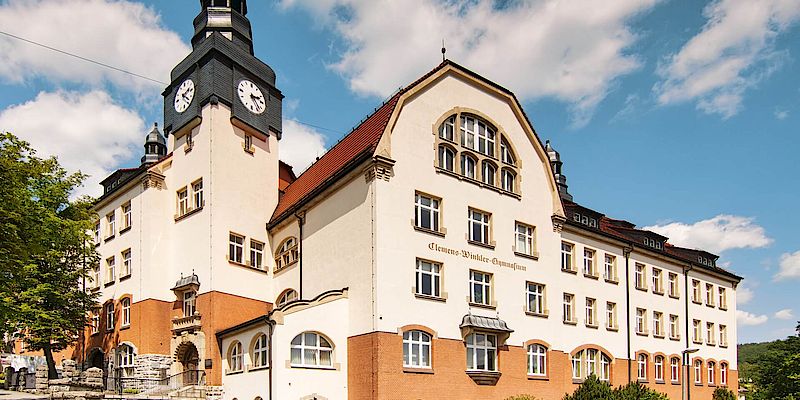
(301, 220)
(627, 252)
(686, 360)
(272, 325)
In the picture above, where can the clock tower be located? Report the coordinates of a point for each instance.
(222, 69)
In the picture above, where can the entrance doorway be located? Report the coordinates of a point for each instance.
(189, 360)
(96, 359)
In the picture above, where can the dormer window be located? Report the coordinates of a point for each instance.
(585, 220)
(652, 243)
(705, 261)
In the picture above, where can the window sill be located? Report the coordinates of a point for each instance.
(642, 334)
(429, 231)
(285, 267)
(592, 326)
(417, 370)
(697, 302)
(238, 264)
(316, 367)
(427, 297)
(187, 147)
(108, 239)
(535, 314)
(125, 229)
(612, 329)
(711, 306)
(234, 372)
(678, 338)
(124, 327)
(591, 276)
(643, 289)
(613, 281)
(660, 382)
(481, 244)
(123, 278)
(187, 214)
(251, 150)
(711, 344)
(696, 342)
(698, 384)
(94, 289)
(261, 368)
(660, 293)
(487, 378)
(724, 308)
(659, 336)
(672, 296)
(538, 378)
(107, 284)
(643, 381)
(569, 271)
(569, 322)
(678, 383)
(534, 256)
(479, 305)
(724, 346)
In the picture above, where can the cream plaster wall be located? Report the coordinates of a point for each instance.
(251, 381)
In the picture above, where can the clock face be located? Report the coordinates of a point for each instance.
(251, 97)
(184, 95)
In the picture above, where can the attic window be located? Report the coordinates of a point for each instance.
(652, 243)
(705, 261)
(585, 220)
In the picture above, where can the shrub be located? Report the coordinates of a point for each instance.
(522, 397)
(592, 389)
(637, 391)
(723, 394)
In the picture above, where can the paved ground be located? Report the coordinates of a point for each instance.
(9, 395)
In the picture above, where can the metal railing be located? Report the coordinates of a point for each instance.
(126, 385)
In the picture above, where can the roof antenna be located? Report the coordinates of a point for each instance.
(444, 52)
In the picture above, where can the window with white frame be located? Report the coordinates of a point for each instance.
(127, 215)
(658, 370)
(639, 279)
(95, 276)
(696, 296)
(477, 135)
(673, 285)
(448, 128)
(674, 327)
(235, 357)
(723, 298)
(723, 374)
(611, 315)
(428, 278)
(126, 311)
(569, 307)
(488, 173)
(287, 296)
(183, 201)
(577, 366)
(426, 212)
(711, 372)
(537, 360)
(95, 321)
(416, 349)
(261, 351)
(591, 362)
(125, 356)
(479, 227)
(508, 178)
(286, 254)
(658, 324)
(480, 288)
(110, 316)
(710, 334)
(535, 295)
(447, 158)
(111, 270)
(588, 262)
(674, 369)
(641, 321)
(591, 312)
(525, 239)
(610, 268)
(197, 194)
(481, 352)
(566, 256)
(468, 166)
(697, 332)
(310, 349)
(97, 232)
(189, 303)
(586, 362)
(698, 372)
(248, 143)
(506, 154)
(658, 286)
(709, 294)
(236, 248)
(126, 264)
(111, 224)
(256, 254)
(641, 369)
(723, 335)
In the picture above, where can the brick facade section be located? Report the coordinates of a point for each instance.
(375, 371)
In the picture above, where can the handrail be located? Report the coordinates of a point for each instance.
(132, 385)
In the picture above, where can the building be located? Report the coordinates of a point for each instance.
(433, 253)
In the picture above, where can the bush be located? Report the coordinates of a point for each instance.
(637, 391)
(723, 394)
(592, 389)
(522, 397)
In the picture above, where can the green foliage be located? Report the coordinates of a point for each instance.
(595, 389)
(777, 372)
(723, 394)
(44, 251)
(522, 397)
(637, 391)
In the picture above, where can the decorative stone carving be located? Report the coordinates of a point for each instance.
(558, 222)
(380, 168)
(152, 179)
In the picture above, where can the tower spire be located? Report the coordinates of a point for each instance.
(228, 17)
(155, 146)
(556, 164)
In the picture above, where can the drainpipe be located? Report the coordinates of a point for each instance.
(301, 220)
(271, 325)
(687, 361)
(627, 252)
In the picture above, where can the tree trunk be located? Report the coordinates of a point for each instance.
(52, 373)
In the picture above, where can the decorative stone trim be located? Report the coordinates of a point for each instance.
(558, 222)
(485, 378)
(152, 179)
(380, 168)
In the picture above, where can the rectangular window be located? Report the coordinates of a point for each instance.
(566, 257)
(641, 321)
(97, 232)
(197, 194)
(658, 286)
(710, 334)
(698, 372)
(189, 303)
(611, 315)
(610, 268)
(658, 324)
(588, 262)
(95, 276)
(426, 212)
(248, 142)
(111, 267)
(110, 317)
(127, 216)
(674, 368)
(723, 298)
(709, 295)
(674, 327)
(525, 239)
(723, 335)
(112, 225)
(479, 226)
(591, 319)
(696, 291)
(95, 321)
(480, 288)
(569, 306)
(126, 312)
(236, 248)
(428, 278)
(126, 263)
(639, 278)
(481, 352)
(673, 285)
(256, 254)
(535, 294)
(183, 202)
(697, 332)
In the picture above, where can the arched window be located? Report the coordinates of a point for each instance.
(537, 360)
(674, 369)
(698, 372)
(641, 361)
(488, 173)
(507, 179)
(658, 361)
(416, 349)
(506, 154)
(235, 357)
(477, 135)
(711, 372)
(447, 158)
(286, 254)
(448, 128)
(287, 296)
(260, 351)
(468, 166)
(125, 356)
(723, 374)
(605, 367)
(585, 363)
(126, 311)
(310, 349)
(481, 352)
(110, 316)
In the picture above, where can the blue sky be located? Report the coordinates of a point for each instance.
(681, 116)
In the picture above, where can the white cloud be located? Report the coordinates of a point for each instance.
(87, 132)
(781, 114)
(749, 319)
(785, 314)
(789, 266)
(734, 50)
(743, 295)
(572, 51)
(716, 235)
(123, 34)
(300, 145)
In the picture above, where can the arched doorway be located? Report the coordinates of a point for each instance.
(96, 358)
(189, 360)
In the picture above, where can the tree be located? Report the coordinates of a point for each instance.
(777, 374)
(43, 252)
(721, 393)
(592, 389)
(637, 391)
(797, 328)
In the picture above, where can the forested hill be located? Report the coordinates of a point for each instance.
(771, 370)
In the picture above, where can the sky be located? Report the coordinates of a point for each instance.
(679, 116)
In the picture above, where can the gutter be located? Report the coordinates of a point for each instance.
(301, 220)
